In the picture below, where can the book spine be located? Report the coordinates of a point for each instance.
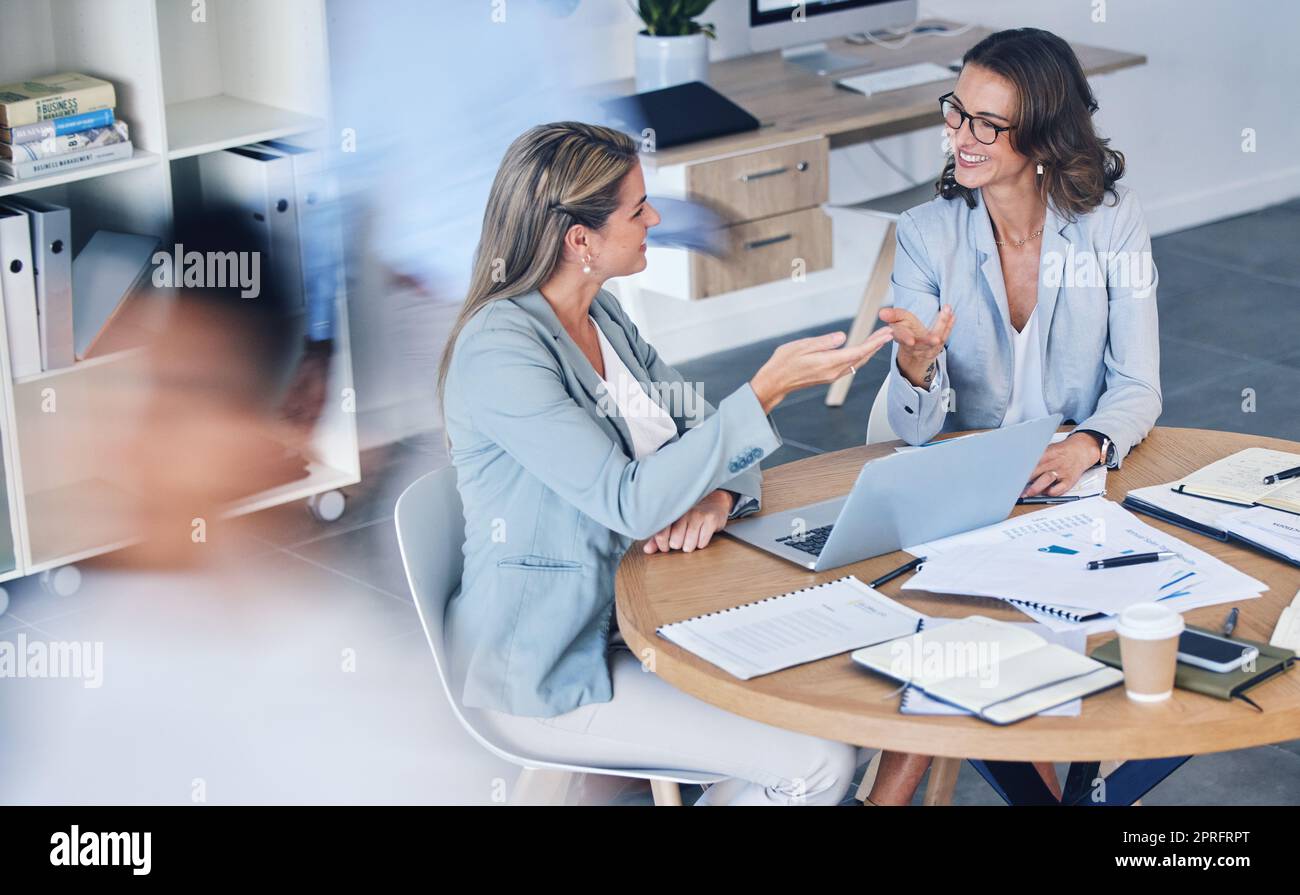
(27, 170)
(80, 141)
(57, 105)
(57, 127)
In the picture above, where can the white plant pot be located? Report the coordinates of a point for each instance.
(665, 61)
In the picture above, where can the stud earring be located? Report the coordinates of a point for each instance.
(586, 264)
(1040, 169)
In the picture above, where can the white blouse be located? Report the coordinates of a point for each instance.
(1027, 401)
(650, 425)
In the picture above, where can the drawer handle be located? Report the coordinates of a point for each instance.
(746, 178)
(771, 240)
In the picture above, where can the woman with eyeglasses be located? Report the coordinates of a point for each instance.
(1026, 286)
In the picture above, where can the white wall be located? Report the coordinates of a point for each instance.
(1214, 67)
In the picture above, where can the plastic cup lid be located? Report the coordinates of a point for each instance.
(1149, 621)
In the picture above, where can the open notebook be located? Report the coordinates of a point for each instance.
(1265, 529)
(916, 702)
(1239, 479)
(790, 629)
(992, 669)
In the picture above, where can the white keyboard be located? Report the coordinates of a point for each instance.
(897, 78)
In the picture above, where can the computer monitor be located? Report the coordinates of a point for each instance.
(798, 28)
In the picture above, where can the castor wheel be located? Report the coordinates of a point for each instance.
(327, 507)
(61, 582)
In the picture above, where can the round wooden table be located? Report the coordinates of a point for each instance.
(835, 699)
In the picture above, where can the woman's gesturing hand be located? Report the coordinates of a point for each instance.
(814, 361)
(695, 529)
(919, 346)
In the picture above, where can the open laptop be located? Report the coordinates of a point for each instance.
(907, 498)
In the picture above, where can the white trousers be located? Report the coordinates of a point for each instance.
(651, 724)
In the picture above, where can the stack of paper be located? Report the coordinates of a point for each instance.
(1038, 563)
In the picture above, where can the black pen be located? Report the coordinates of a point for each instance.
(1133, 559)
(1230, 622)
(901, 570)
(1284, 474)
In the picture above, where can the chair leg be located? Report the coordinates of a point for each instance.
(868, 778)
(538, 786)
(873, 298)
(943, 780)
(666, 792)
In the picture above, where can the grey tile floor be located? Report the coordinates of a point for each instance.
(289, 666)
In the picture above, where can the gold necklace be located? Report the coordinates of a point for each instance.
(1037, 233)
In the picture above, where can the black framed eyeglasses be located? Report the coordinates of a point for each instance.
(981, 129)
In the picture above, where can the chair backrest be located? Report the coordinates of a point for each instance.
(430, 534)
(878, 428)
(430, 522)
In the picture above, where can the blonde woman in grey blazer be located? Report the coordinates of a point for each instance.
(572, 440)
(1026, 287)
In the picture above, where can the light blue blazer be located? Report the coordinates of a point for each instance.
(553, 499)
(1098, 328)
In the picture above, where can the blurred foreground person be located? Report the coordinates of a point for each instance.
(197, 418)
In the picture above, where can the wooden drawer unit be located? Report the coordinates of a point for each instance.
(764, 251)
(761, 184)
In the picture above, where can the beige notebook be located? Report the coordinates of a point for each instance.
(1239, 479)
(998, 671)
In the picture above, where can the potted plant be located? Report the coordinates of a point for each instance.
(671, 49)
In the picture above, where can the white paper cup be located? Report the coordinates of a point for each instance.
(1148, 648)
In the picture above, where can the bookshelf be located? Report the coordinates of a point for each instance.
(192, 77)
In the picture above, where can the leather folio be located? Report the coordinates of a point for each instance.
(1272, 661)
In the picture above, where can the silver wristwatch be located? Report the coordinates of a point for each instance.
(1107, 448)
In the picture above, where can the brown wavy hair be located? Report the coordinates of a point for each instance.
(1054, 126)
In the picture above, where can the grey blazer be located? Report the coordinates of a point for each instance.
(553, 501)
(1098, 328)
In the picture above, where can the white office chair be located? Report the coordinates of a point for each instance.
(887, 208)
(878, 428)
(430, 532)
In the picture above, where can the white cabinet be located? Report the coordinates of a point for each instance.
(192, 77)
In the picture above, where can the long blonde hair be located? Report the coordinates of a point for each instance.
(552, 177)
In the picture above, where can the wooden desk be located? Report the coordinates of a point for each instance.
(835, 699)
(793, 104)
(772, 182)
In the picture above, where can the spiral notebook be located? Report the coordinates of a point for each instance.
(1066, 613)
(790, 629)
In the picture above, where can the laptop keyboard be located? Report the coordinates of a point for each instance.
(812, 541)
